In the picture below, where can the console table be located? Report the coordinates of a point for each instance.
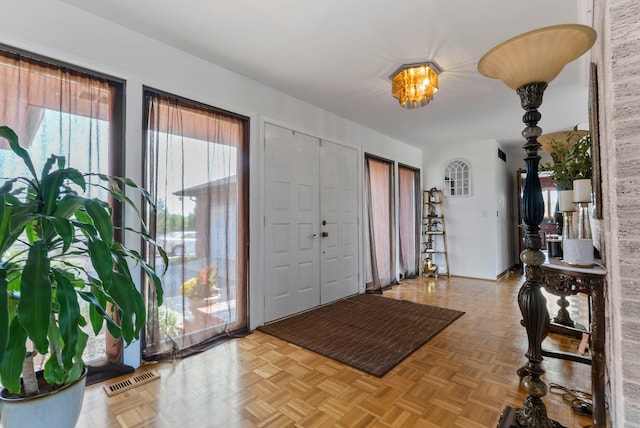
(563, 280)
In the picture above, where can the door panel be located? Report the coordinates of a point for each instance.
(339, 203)
(292, 271)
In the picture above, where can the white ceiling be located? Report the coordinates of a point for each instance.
(338, 55)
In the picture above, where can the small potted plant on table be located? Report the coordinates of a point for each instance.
(572, 170)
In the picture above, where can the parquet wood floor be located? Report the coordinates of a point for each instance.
(462, 378)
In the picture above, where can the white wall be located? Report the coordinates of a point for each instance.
(470, 220)
(504, 217)
(60, 31)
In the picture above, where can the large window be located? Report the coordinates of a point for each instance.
(62, 110)
(196, 166)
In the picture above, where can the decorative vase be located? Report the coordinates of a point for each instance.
(59, 408)
(429, 268)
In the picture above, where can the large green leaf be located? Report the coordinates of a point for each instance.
(12, 221)
(48, 164)
(145, 194)
(127, 299)
(78, 365)
(68, 204)
(121, 263)
(76, 176)
(7, 186)
(101, 260)
(98, 313)
(12, 137)
(97, 319)
(54, 373)
(101, 216)
(149, 240)
(34, 308)
(65, 230)
(155, 282)
(68, 317)
(50, 190)
(14, 355)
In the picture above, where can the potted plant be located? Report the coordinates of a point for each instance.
(571, 161)
(571, 158)
(56, 246)
(202, 289)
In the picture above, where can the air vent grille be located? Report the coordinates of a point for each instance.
(131, 382)
(502, 155)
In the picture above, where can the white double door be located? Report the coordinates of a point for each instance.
(311, 222)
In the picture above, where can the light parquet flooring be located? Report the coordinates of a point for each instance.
(462, 378)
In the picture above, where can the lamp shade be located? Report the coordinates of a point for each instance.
(536, 56)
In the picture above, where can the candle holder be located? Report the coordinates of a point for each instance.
(568, 231)
(584, 225)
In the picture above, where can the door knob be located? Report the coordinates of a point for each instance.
(325, 234)
(314, 236)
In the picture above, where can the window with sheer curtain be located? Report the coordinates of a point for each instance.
(59, 109)
(409, 220)
(379, 229)
(196, 168)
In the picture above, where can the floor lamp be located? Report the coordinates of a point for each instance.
(526, 64)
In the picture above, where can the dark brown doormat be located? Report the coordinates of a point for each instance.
(369, 332)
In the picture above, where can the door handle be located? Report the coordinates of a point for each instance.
(325, 234)
(315, 236)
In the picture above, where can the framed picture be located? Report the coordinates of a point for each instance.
(595, 141)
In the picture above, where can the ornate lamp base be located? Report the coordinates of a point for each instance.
(511, 416)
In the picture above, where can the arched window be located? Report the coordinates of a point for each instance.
(457, 178)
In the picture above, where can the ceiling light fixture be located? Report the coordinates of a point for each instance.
(414, 84)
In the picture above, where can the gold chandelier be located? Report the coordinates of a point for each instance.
(414, 84)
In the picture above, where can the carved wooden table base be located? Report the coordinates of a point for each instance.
(562, 280)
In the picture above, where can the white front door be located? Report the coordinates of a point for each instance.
(339, 205)
(311, 222)
(292, 212)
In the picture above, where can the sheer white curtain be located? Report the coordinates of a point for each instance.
(379, 224)
(196, 174)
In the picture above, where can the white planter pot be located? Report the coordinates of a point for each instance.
(578, 251)
(57, 409)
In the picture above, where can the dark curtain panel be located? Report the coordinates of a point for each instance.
(196, 173)
(409, 220)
